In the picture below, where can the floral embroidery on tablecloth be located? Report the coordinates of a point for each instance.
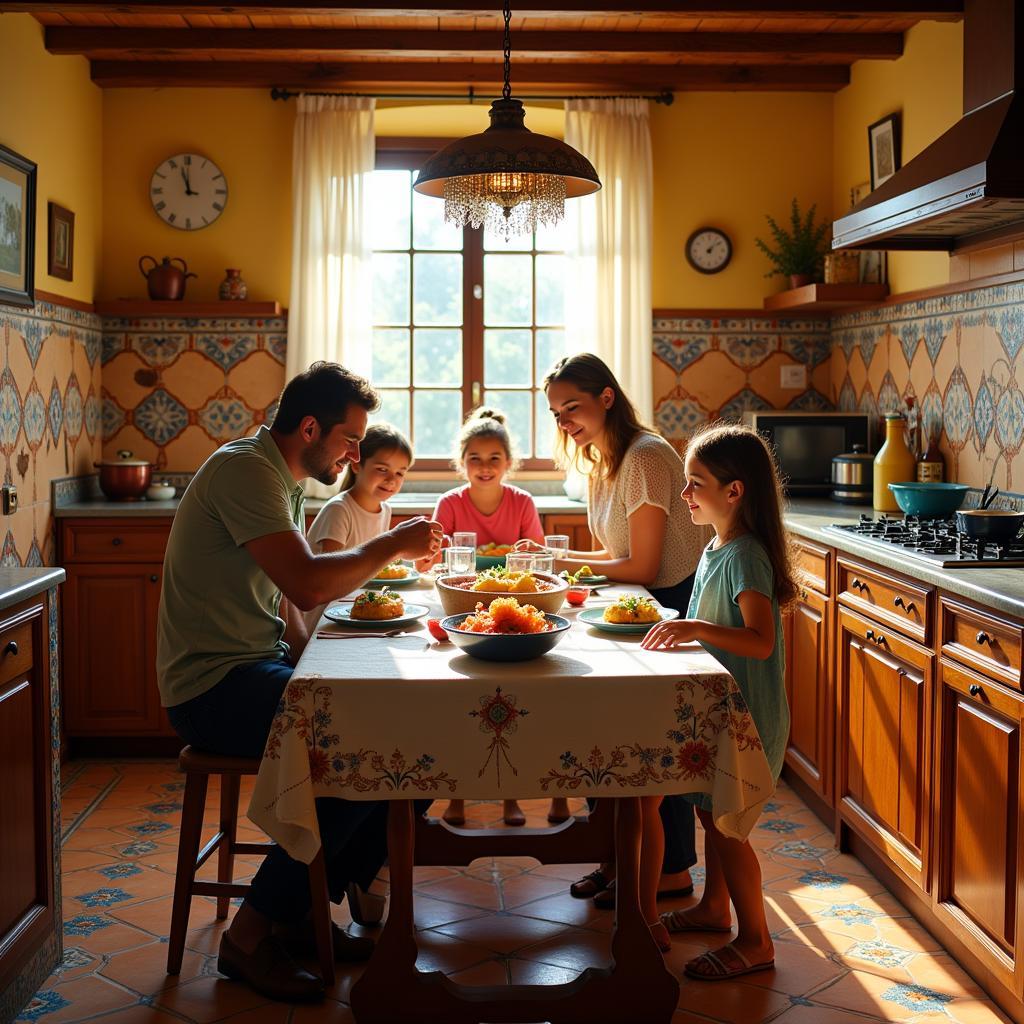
(701, 722)
(499, 714)
(364, 770)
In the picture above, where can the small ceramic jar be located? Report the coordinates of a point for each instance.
(160, 492)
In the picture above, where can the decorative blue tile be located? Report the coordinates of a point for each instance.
(122, 870)
(852, 913)
(1011, 329)
(42, 1003)
(163, 808)
(917, 998)
(680, 352)
(34, 416)
(935, 333)
(277, 346)
(801, 850)
(174, 787)
(810, 350)
(869, 404)
(678, 416)
(93, 342)
(749, 352)
(150, 828)
(984, 414)
(847, 396)
(740, 403)
(112, 345)
(226, 350)
(910, 338)
(74, 957)
(875, 951)
(34, 559)
(103, 897)
(73, 408)
(1010, 418)
(93, 416)
(159, 349)
(85, 924)
(34, 334)
(823, 880)
(10, 412)
(956, 409)
(55, 411)
(800, 1001)
(771, 807)
(9, 557)
(161, 417)
(224, 419)
(888, 395)
(779, 825)
(113, 417)
(811, 400)
(867, 341)
(931, 411)
(139, 848)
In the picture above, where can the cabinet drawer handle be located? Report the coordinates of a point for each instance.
(803, 595)
(856, 584)
(898, 602)
(880, 639)
(153, 579)
(116, 542)
(12, 647)
(974, 690)
(983, 638)
(869, 634)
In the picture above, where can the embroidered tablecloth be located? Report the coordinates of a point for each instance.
(402, 718)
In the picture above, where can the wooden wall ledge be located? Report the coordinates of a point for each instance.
(145, 308)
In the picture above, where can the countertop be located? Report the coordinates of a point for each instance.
(17, 585)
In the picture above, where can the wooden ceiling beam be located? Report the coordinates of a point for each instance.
(309, 43)
(934, 10)
(680, 77)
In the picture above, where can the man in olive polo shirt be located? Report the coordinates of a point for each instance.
(237, 572)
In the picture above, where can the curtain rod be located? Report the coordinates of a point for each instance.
(666, 96)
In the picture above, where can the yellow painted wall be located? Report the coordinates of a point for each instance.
(50, 112)
(725, 160)
(926, 87)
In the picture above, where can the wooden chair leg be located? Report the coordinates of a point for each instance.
(321, 911)
(229, 787)
(193, 808)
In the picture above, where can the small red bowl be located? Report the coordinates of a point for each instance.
(576, 596)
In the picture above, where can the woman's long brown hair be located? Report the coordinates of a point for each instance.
(730, 452)
(622, 422)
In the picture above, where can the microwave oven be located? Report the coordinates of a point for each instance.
(806, 442)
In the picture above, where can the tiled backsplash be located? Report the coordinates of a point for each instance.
(49, 416)
(956, 356)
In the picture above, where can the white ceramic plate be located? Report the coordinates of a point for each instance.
(595, 617)
(343, 613)
(403, 581)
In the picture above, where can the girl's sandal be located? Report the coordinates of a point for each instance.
(589, 885)
(660, 935)
(712, 966)
(677, 921)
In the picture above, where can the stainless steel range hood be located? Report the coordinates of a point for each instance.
(968, 185)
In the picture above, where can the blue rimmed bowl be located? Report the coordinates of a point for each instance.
(932, 501)
(504, 646)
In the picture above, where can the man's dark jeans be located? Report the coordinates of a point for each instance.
(234, 718)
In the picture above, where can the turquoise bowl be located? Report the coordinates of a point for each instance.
(932, 501)
(504, 646)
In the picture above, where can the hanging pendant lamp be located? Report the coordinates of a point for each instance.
(507, 178)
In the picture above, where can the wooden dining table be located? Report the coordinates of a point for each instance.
(401, 718)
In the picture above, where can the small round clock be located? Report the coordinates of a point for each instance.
(188, 191)
(708, 250)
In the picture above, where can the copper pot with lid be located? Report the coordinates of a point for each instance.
(853, 476)
(124, 478)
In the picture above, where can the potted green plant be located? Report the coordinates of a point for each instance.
(799, 252)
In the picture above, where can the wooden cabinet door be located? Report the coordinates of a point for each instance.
(574, 527)
(883, 741)
(110, 614)
(808, 687)
(979, 781)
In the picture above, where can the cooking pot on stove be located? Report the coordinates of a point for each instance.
(853, 476)
(124, 478)
(998, 525)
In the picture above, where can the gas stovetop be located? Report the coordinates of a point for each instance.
(933, 541)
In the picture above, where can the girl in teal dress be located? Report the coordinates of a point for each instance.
(745, 576)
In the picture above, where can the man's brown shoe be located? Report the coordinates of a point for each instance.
(269, 970)
(348, 949)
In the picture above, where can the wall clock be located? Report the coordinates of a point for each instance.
(708, 250)
(188, 191)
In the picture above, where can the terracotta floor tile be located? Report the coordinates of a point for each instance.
(531, 972)
(209, 999)
(528, 888)
(328, 1012)
(431, 913)
(470, 891)
(105, 934)
(205, 937)
(503, 933)
(730, 1001)
(820, 1015)
(685, 1017)
(144, 970)
(76, 963)
(566, 872)
(490, 869)
(87, 838)
(574, 949)
(565, 909)
(491, 972)
(138, 1014)
(272, 1013)
(74, 860)
(345, 977)
(86, 997)
(798, 970)
(882, 997)
(437, 952)
(154, 915)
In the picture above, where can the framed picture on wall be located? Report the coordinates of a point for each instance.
(60, 261)
(884, 148)
(17, 228)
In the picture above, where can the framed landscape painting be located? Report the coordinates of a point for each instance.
(17, 228)
(884, 149)
(61, 238)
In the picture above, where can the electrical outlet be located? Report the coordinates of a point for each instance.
(9, 494)
(793, 377)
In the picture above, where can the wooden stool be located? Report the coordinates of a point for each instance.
(198, 766)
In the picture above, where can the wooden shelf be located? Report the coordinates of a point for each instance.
(825, 298)
(142, 308)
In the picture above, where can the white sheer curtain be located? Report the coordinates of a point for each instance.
(329, 314)
(608, 277)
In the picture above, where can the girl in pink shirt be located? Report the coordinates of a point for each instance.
(496, 512)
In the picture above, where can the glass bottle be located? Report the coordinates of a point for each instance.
(894, 463)
(931, 467)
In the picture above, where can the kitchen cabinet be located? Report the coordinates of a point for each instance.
(574, 526)
(29, 855)
(110, 606)
(883, 741)
(808, 639)
(979, 807)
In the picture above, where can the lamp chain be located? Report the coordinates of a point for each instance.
(506, 89)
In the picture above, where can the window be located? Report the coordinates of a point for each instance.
(461, 319)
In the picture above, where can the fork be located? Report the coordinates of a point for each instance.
(325, 635)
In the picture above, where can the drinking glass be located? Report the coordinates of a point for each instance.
(557, 544)
(519, 561)
(543, 562)
(464, 540)
(459, 560)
